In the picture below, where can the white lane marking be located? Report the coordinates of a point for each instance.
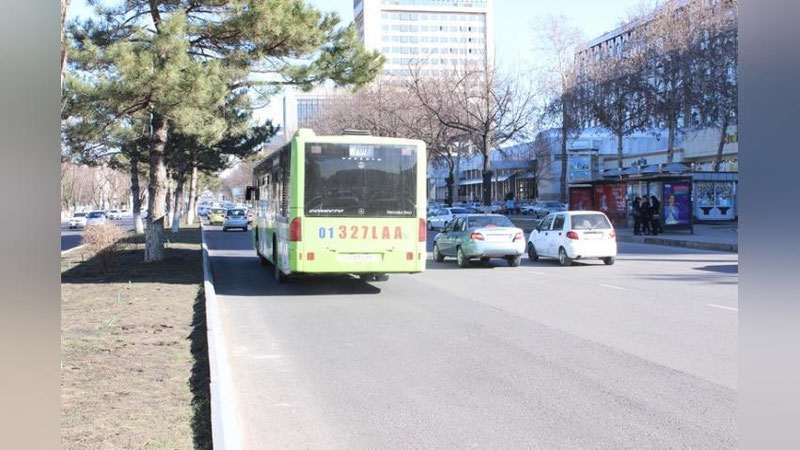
(612, 287)
(722, 307)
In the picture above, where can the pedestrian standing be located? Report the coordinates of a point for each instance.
(637, 216)
(646, 213)
(655, 215)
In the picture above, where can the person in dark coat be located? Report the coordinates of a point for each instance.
(637, 215)
(655, 215)
(647, 211)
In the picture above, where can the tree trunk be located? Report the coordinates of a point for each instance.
(671, 141)
(721, 145)
(157, 189)
(192, 196)
(64, 6)
(138, 227)
(619, 151)
(168, 200)
(177, 202)
(487, 173)
(564, 164)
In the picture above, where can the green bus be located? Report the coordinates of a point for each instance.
(349, 204)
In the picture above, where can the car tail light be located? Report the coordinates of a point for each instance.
(295, 231)
(476, 236)
(612, 234)
(518, 236)
(572, 235)
(423, 230)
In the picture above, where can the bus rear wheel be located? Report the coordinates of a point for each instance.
(263, 261)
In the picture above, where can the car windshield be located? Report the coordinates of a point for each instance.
(488, 221)
(236, 213)
(218, 211)
(458, 211)
(360, 180)
(590, 222)
(96, 215)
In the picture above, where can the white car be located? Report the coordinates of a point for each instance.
(442, 216)
(96, 218)
(573, 235)
(235, 218)
(114, 214)
(78, 220)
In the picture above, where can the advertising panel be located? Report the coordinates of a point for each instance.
(580, 199)
(610, 199)
(677, 203)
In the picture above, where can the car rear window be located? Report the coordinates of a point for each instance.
(458, 211)
(95, 215)
(590, 222)
(235, 213)
(489, 221)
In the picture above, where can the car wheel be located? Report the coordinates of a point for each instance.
(532, 255)
(563, 259)
(608, 261)
(437, 255)
(484, 261)
(224, 228)
(381, 277)
(513, 261)
(461, 258)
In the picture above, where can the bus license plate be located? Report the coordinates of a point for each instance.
(359, 258)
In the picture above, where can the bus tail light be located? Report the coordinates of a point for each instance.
(572, 235)
(423, 230)
(476, 236)
(295, 231)
(310, 256)
(409, 255)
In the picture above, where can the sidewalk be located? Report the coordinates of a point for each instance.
(719, 237)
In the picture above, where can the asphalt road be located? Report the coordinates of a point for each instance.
(641, 354)
(72, 238)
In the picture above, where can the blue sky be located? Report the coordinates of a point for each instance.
(515, 42)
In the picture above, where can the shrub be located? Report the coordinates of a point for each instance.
(103, 242)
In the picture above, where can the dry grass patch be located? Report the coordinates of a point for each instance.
(133, 347)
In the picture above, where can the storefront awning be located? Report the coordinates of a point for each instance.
(653, 168)
(676, 167)
(615, 172)
(470, 181)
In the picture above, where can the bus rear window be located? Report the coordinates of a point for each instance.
(349, 180)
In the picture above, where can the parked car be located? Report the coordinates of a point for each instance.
(114, 214)
(573, 235)
(216, 216)
(547, 207)
(235, 218)
(95, 218)
(78, 220)
(202, 210)
(442, 216)
(481, 236)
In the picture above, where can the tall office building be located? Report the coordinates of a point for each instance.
(434, 34)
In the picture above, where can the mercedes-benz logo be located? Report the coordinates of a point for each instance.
(361, 164)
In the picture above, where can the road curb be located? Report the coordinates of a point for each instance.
(64, 252)
(716, 246)
(225, 431)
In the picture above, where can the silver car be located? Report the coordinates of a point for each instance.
(235, 218)
(482, 236)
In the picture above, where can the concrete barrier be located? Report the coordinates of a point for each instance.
(225, 430)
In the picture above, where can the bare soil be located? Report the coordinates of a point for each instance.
(134, 364)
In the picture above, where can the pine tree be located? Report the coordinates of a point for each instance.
(180, 61)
